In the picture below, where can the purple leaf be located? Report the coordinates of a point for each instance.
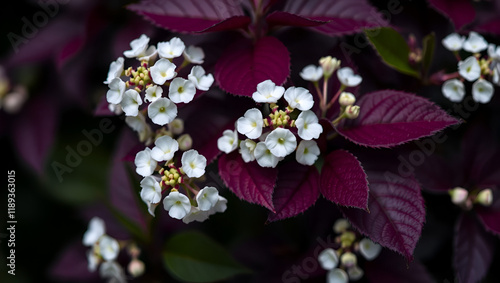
(279, 18)
(71, 265)
(397, 213)
(489, 216)
(123, 194)
(492, 26)
(244, 65)
(70, 49)
(102, 108)
(296, 190)
(35, 129)
(193, 16)
(343, 16)
(248, 181)
(389, 118)
(460, 12)
(473, 249)
(388, 267)
(343, 180)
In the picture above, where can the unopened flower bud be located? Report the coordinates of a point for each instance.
(485, 197)
(329, 65)
(355, 273)
(341, 225)
(12, 102)
(136, 267)
(346, 99)
(185, 142)
(458, 195)
(133, 250)
(176, 126)
(349, 259)
(352, 111)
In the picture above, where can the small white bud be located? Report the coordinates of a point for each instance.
(346, 99)
(485, 197)
(458, 195)
(352, 111)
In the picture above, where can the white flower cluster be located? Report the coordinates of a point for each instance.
(273, 146)
(141, 93)
(171, 178)
(104, 251)
(342, 263)
(474, 68)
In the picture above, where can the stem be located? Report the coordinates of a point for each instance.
(450, 76)
(324, 98)
(457, 55)
(341, 89)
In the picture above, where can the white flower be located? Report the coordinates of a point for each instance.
(93, 260)
(95, 230)
(268, 92)
(195, 214)
(162, 111)
(171, 49)
(149, 55)
(329, 65)
(200, 80)
(475, 43)
(312, 73)
(144, 163)
(165, 148)
(299, 97)
(328, 259)
(346, 99)
(176, 126)
(251, 124)
(355, 273)
(496, 76)
(453, 42)
(108, 248)
(181, 90)
(207, 198)
(194, 54)
(138, 46)
(264, 156)
(307, 152)
(113, 271)
(131, 102)
(193, 163)
(453, 90)
(337, 275)
(116, 90)
(138, 124)
(494, 53)
(347, 77)
(115, 69)
(177, 205)
(115, 108)
(469, 69)
(220, 206)
(151, 190)
(153, 93)
(369, 249)
(228, 142)
(482, 91)
(152, 207)
(162, 71)
(308, 126)
(281, 142)
(247, 148)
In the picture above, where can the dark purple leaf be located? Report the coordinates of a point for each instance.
(192, 15)
(473, 249)
(206, 132)
(490, 216)
(35, 129)
(343, 16)
(389, 267)
(102, 108)
(460, 12)
(70, 49)
(492, 26)
(71, 265)
(397, 212)
(248, 181)
(343, 180)
(279, 18)
(123, 194)
(437, 175)
(296, 190)
(244, 65)
(389, 118)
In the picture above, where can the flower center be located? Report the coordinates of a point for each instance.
(162, 109)
(281, 141)
(180, 89)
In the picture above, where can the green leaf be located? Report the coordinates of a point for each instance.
(429, 43)
(194, 257)
(392, 48)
